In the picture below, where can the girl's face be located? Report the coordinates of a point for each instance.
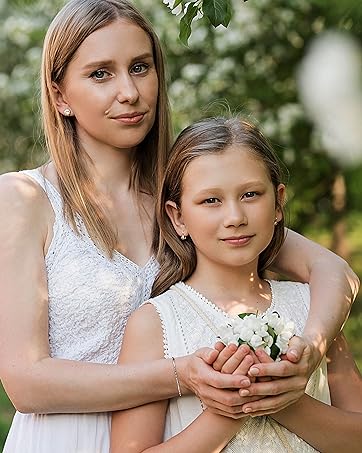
(111, 85)
(228, 207)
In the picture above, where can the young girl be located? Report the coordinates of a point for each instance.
(75, 246)
(220, 214)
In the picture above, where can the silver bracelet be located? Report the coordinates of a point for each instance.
(176, 376)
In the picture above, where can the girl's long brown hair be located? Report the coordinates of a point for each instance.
(211, 136)
(72, 25)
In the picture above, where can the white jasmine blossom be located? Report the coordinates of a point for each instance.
(266, 331)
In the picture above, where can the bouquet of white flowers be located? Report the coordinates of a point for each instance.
(267, 331)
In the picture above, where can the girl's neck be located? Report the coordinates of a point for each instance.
(234, 290)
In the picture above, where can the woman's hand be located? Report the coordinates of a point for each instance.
(218, 389)
(274, 385)
(288, 379)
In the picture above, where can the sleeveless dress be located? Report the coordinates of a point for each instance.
(190, 321)
(90, 300)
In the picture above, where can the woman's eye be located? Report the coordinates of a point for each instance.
(99, 74)
(139, 68)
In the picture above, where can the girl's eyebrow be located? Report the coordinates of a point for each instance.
(105, 63)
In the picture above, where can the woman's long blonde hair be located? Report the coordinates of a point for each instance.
(211, 136)
(72, 25)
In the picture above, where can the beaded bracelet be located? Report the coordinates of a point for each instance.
(176, 376)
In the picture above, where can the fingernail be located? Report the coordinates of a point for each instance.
(247, 410)
(244, 393)
(254, 371)
(245, 383)
(294, 353)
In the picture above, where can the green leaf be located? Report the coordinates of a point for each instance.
(242, 315)
(228, 15)
(274, 351)
(272, 333)
(185, 24)
(217, 11)
(177, 2)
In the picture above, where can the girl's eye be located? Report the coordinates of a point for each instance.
(139, 68)
(100, 74)
(249, 195)
(211, 200)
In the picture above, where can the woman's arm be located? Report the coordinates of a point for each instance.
(34, 381)
(331, 428)
(141, 429)
(332, 282)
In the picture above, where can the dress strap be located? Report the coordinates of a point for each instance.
(197, 309)
(51, 192)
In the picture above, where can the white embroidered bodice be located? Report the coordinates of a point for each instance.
(186, 330)
(90, 295)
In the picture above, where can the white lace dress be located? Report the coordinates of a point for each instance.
(184, 315)
(90, 300)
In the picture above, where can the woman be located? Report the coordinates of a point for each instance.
(75, 247)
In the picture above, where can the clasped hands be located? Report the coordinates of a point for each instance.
(236, 381)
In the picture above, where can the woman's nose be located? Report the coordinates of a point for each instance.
(127, 90)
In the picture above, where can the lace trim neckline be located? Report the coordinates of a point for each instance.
(200, 297)
(151, 261)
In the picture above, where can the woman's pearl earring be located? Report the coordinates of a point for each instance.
(276, 221)
(67, 112)
(183, 237)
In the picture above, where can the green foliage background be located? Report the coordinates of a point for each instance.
(250, 67)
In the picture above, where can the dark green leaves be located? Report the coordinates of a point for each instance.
(217, 11)
(185, 23)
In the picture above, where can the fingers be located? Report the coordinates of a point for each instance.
(241, 368)
(208, 355)
(263, 357)
(270, 404)
(275, 387)
(239, 362)
(231, 359)
(284, 368)
(296, 349)
(219, 346)
(223, 356)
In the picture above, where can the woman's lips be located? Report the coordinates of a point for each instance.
(132, 118)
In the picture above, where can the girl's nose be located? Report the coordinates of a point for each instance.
(235, 215)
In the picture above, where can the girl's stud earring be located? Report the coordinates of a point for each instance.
(67, 112)
(276, 221)
(183, 237)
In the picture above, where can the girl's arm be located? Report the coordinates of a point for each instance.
(34, 381)
(331, 428)
(141, 429)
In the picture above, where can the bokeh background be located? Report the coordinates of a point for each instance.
(294, 67)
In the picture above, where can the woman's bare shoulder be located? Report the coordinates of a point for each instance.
(23, 204)
(20, 192)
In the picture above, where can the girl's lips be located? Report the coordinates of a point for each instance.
(243, 240)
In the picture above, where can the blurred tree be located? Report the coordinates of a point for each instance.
(248, 67)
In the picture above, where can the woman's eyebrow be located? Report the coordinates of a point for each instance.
(104, 63)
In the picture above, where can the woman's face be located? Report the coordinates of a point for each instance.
(111, 86)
